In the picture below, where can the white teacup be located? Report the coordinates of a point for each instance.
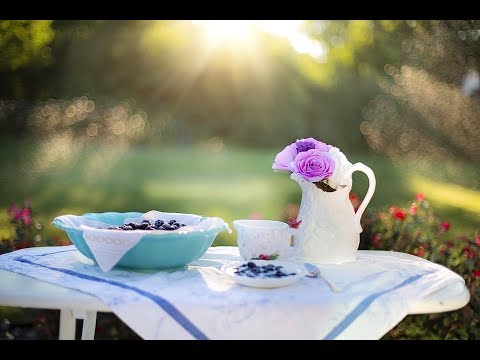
(263, 237)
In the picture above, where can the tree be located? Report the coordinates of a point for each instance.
(25, 43)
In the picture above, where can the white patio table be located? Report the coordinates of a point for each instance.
(23, 291)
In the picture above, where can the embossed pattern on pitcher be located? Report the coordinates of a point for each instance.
(329, 231)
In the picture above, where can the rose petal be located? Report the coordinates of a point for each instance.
(284, 158)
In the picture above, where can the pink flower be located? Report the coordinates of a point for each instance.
(420, 197)
(413, 209)
(476, 273)
(314, 165)
(25, 215)
(445, 225)
(294, 223)
(255, 216)
(477, 240)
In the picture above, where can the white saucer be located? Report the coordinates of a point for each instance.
(266, 282)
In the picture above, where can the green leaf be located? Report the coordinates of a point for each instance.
(322, 186)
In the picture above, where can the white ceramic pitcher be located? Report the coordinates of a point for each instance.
(330, 229)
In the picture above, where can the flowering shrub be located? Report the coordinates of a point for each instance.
(28, 231)
(315, 161)
(415, 229)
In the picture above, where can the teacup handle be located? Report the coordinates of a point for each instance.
(371, 189)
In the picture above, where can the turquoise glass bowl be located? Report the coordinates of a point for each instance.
(156, 251)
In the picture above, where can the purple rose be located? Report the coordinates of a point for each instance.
(314, 165)
(311, 143)
(283, 160)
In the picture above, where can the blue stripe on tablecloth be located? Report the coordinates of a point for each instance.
(362, 306)
(55, 252)
(160, 301)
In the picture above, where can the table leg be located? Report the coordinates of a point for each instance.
(67, 325)
(89, 323)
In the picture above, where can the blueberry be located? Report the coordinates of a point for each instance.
(127, 227)
(279, 274)
(171, 222)
(167, 227)
(146, 221)
(292, 274)
(182, 225)
(243, 265)
(143, 225)
(150, 227)
(159, 223)
(176, 224)
(251, 264)
(278, 267)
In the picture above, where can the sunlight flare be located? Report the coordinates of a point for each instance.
(242, 33)
(221, 31)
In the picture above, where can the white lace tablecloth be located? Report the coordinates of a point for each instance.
(201, 302)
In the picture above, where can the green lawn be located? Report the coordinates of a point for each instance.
(231, 184)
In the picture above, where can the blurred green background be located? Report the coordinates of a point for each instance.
(187, 116)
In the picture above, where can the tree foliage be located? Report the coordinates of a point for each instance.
(257, 94)
(25, 43)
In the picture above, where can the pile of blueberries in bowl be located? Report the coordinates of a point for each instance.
(147, 225)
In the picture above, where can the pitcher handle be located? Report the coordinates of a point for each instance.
(371, 189)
